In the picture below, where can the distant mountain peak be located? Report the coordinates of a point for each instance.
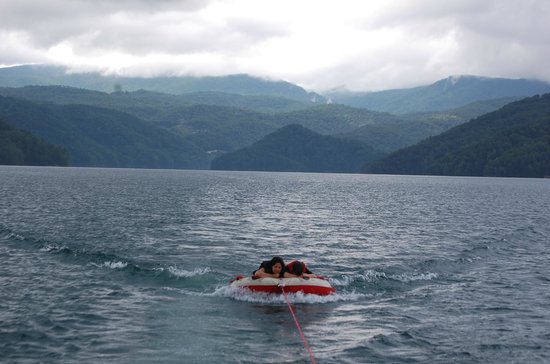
(448, 93)
(454, 80)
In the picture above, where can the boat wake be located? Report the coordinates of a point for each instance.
(350, 286)
(372, 276)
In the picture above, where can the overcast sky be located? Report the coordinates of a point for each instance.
(319, 45)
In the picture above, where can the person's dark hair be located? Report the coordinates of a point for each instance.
(268, 265)
(297, 268)
(276, 260)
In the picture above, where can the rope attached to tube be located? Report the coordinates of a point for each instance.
(298, 325)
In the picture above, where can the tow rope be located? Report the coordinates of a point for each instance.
(298, 325)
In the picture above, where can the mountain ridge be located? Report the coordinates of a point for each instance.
(447, 93)
(218, 128)
(513, 141)
(150, 129)
(243, 84)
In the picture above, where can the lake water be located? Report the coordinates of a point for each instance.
(132, 266)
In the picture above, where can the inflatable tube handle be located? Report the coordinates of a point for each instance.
(237, 278)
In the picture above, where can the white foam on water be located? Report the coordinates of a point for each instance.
(406, 278)
(243, 294)
(182, 273)
(373, 276)
(53, 248)
(110, 264)
(115, 265)
(15, 236)
(368, 276)
(48, 248)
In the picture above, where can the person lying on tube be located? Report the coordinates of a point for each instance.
(297, 269)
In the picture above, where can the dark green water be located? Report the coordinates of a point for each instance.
(132, 266)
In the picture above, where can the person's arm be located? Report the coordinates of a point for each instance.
(309, 274)
(261, 273)
(290, 275)
(304, 275)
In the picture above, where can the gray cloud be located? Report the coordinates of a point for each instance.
(359, 45)
(180, 34)
(133, 27)
(50, 22)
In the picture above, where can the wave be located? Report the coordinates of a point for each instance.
(182, 273)
(245, 295)
(55, 248)
(7, 234)
(141, 272)
(204, 280)
(406, 278)
(348, 280)
(373, 276)
(112, 264)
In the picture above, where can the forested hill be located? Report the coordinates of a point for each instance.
(226, 122)
(295, 148)
(511, 142)
(102, 137)
(149, 104)
(19, 147)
